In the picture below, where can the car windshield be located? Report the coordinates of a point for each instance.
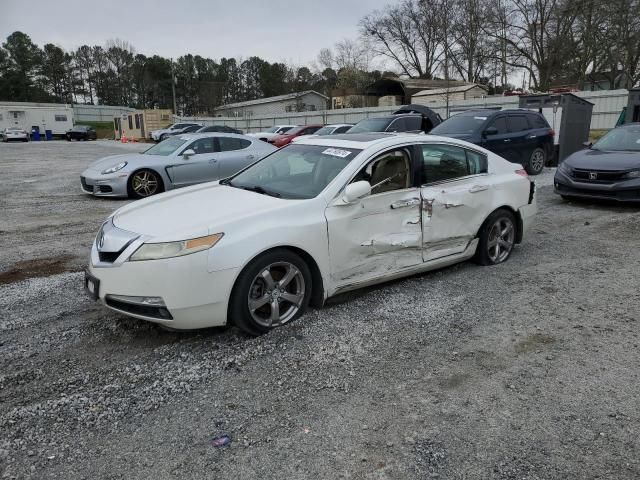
(79, 128)
(295, 171)
(166, 147)
(14, 129)
(293, 130)
(620, 139)
(325, 130)
(370, 125)
(460, 124)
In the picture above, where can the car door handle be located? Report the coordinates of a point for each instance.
(213, 160)
(478, 188)
(452, 205)
(250, 157)
(507, 139)
(405, 203)
(531, 136)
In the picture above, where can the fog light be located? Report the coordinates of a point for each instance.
(151, 301)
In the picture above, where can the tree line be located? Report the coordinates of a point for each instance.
(114, 74)
(493, 42)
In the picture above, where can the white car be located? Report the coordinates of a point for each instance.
(176, 128)
(15, 133)
(309, 221)
(334, 129)
(272, 132)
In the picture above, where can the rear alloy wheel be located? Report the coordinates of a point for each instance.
(144, 183)
(537, 161)
(497, 238)
(272, 291)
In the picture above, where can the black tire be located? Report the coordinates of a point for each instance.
(483, 255)
(537, 161)
(68, 138)
(135, 191)
(566, 198)
(252, 283)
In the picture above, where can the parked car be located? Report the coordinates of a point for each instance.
(15, 133)
(286, 138)
(190, 129)
(608, 169)
(272, 132)
(411, 123)
(159, 135)
(520, 136)
(219, 128)
(178, 161)
(409, 118)
(81, 132)
(313, 219)
(327, 130)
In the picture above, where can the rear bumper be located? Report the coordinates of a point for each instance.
(626, 191)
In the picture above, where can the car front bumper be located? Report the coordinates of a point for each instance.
(180, 292)
(623, 191)
(10, 136)
(114, 185)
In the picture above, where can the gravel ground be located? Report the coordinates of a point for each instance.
(527, 370)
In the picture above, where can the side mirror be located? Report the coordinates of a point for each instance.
(188, 153)
(490, 131)
(588, 144)
(356, 191)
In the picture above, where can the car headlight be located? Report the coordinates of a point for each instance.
(115, 168)
(563, 167)
(634, 174)
(157, 251)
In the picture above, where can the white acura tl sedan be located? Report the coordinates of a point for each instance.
(311, 220)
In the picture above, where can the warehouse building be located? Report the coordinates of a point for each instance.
(307, 101)
(56, 117)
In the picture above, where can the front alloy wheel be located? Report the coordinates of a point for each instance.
(497, 238)
(273, 290)
(144, 183)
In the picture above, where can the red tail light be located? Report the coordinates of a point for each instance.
(523, 173)
(551, 132)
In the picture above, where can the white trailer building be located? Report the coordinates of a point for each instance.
(56, 117)
(307, 101)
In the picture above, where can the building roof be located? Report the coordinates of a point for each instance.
(278, 98)
(442, 91)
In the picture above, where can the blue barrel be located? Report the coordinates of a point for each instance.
(35, 135)
(48, 134)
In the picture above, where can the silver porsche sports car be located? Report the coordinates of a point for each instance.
(178, 161)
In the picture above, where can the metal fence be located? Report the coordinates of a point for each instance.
(97, 113)
(607, 107)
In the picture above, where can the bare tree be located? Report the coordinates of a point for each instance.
(408, 34)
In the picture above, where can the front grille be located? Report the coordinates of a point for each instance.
(145, 310)
(602, 176)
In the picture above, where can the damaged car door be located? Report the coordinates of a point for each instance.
(456, 198)
(380, 233)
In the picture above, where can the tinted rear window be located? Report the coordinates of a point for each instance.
(460, 124)
(518, 123)
(537, 121)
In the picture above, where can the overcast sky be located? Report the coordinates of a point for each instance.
(276, 30)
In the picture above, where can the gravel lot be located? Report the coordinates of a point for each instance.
(527, 370)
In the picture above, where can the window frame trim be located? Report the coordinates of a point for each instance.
(450, 180)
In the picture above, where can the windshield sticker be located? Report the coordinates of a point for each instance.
(480, 118)
(336, 152)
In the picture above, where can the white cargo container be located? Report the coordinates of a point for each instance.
(56, 117)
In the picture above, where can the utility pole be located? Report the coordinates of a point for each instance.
(173, 89)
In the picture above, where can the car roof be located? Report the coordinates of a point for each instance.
(193, 136)
(362, 141)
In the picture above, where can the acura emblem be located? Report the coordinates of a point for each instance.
(593, 176)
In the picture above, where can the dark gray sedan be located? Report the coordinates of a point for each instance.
(609, 169)
(176, 162)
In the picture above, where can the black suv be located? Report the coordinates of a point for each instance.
(520, 136)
